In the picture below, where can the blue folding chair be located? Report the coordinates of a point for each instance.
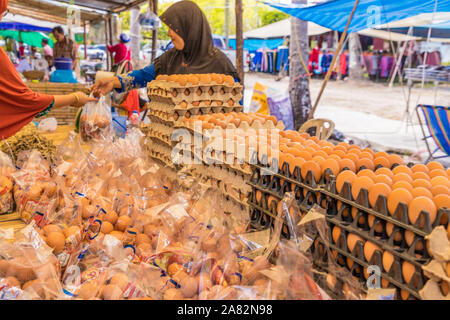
(437, 121)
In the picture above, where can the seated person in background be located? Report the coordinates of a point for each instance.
(120, 51)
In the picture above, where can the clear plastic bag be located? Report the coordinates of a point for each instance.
(6, 184)
(48, 125)
(28, 268)
(34, 192)
(95, 121)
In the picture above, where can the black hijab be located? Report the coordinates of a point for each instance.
(199, 54)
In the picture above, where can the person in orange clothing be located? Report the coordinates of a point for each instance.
(19, 105)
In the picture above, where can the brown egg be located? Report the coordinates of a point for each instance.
(336, 233)
(173, 294)
(369, 249)
(352, 239)
(408, 271)
(107, 227)
(445, 288)
(192, 79)
(88, 211)
(189, 287)
(388, 260)
(174, 268)
(228, 80)
(34, 285)
(447, 269)
(205, 78)
(3, 267)
(217, 78)
(87, 290)
(25, 274)
(209, 245)
(120, 280)
(142, 238)
(13, 282)
(123, 222)
(51, 228)
(117, 234)
(72, 231)
(111, 217)
(57, 241)
(111, 292)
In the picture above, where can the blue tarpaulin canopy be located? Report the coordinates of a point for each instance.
(22, 27)
(334, 14)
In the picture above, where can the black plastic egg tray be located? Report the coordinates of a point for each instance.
(273, 185)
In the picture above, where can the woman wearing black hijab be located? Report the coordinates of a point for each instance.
(193, 52)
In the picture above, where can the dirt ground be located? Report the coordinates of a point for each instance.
(367, 96)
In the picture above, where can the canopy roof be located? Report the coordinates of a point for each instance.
(281, 29)
(334, 14)
(439, 30)
(56, 11)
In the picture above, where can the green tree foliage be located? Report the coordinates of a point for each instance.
(255, 15)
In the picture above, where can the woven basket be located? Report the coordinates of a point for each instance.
(34, 75)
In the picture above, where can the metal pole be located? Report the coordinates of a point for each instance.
(327, 77)
(239, 41)
(154, 6)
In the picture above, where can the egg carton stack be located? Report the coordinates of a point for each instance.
(222, 159)
(175, 97)
(372, 218)
(437, 271)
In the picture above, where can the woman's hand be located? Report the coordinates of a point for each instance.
(77, 99)
(104, 86)
(83, 98)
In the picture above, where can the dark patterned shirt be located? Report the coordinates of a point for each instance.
(65, 49)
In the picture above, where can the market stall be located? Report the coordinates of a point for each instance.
(207, 202)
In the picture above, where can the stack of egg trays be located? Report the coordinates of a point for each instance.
(194, 99)
(210, 158)
(401, 251)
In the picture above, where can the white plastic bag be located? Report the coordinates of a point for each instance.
(280, 106)
(48, 125)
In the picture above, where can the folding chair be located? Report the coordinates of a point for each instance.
(437, 121)
(321, 128)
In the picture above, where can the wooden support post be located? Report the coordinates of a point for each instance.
(154, 7)
(227, 23)
(85, 39)
(107, 42)
(239, 41)
(330, 70)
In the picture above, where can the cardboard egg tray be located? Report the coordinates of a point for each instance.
(160, 151)
(437, 270)
(190, 93)
(244, 126)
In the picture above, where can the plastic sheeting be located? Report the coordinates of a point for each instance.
(369, 13)
(30, 38)
(22, 27)
(255, 44)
